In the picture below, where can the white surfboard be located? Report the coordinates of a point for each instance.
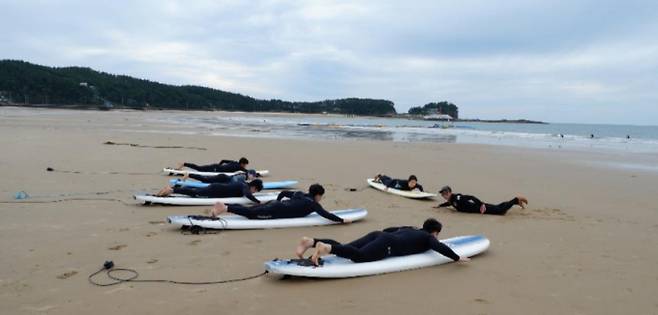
(236, 222)
(415, 194)
(337, 267)
(171, 172)
(184, 200)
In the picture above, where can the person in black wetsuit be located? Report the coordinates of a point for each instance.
(223, 178)
(297, 205)
(400, 184)
(378, 245)
(218, 190)
(224, 166)
(470, 204)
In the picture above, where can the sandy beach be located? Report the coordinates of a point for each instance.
(585, 245)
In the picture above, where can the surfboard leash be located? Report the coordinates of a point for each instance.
(133, 275)
(68, 199)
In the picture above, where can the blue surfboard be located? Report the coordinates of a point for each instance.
(266, 185)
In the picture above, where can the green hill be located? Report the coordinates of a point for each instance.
(25, 83)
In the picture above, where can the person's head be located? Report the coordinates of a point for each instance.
(446, 192)
(256, 185)
(243, 162)
(316, 191)
(432, 226)
(413, 181)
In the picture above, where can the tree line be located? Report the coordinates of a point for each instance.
(26, 83)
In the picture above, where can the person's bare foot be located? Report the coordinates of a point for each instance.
(218, 209)
(304, 244)
(164, 192)
(523, 201)
(321, 249)
(179, 166)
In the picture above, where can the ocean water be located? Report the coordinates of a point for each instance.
(619, 138)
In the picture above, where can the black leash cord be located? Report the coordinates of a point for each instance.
(68, 199)
(134, 275)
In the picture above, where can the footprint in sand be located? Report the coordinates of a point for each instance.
(117, 247)
(150, 234)
(67, 275)
(151, 261)
(481, 300)
(194, 242)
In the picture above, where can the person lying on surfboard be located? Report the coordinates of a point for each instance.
(222, 178)
(378, 245)
(218, 190)
(399, 184)
(297, 205)
(470, 204)
(224, 166)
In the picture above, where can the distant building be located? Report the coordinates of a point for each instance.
(440, 117)
(4, 97)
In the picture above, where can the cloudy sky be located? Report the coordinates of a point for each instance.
(560, 61)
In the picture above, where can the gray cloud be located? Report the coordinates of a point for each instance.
(584, 61)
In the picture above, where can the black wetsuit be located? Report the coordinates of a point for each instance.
(397, 241)
(224, 166)
(219, 178)
(470, 204)
(219, 190)
(299, 205)
(399, 184)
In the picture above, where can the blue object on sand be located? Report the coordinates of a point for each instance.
(21, 195)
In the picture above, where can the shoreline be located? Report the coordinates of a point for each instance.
(397, 116)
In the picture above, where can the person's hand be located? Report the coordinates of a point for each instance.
(347, 221)
(483, 208)
(464, 259)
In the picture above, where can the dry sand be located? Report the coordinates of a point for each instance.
(587, 244)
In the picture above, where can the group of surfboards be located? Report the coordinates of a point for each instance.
(237, 194)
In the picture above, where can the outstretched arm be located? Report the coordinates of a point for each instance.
(326, 214)
(445, 204)
(246, 191)
(443, 249)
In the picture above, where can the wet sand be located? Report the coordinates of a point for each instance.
(585, 245)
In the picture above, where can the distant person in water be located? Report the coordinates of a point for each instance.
(224, 166)
(297, 205)
(470, 204)
(218, 190)
(223, 178)
(378, 245)
(399, 184)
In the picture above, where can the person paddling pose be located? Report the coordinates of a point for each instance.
(222, 178)
(218, 190)
(224, 166)
(297, 205)
(470, 204)
(400, 184)
(378, 245)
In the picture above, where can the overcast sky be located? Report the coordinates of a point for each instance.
(560, 61)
